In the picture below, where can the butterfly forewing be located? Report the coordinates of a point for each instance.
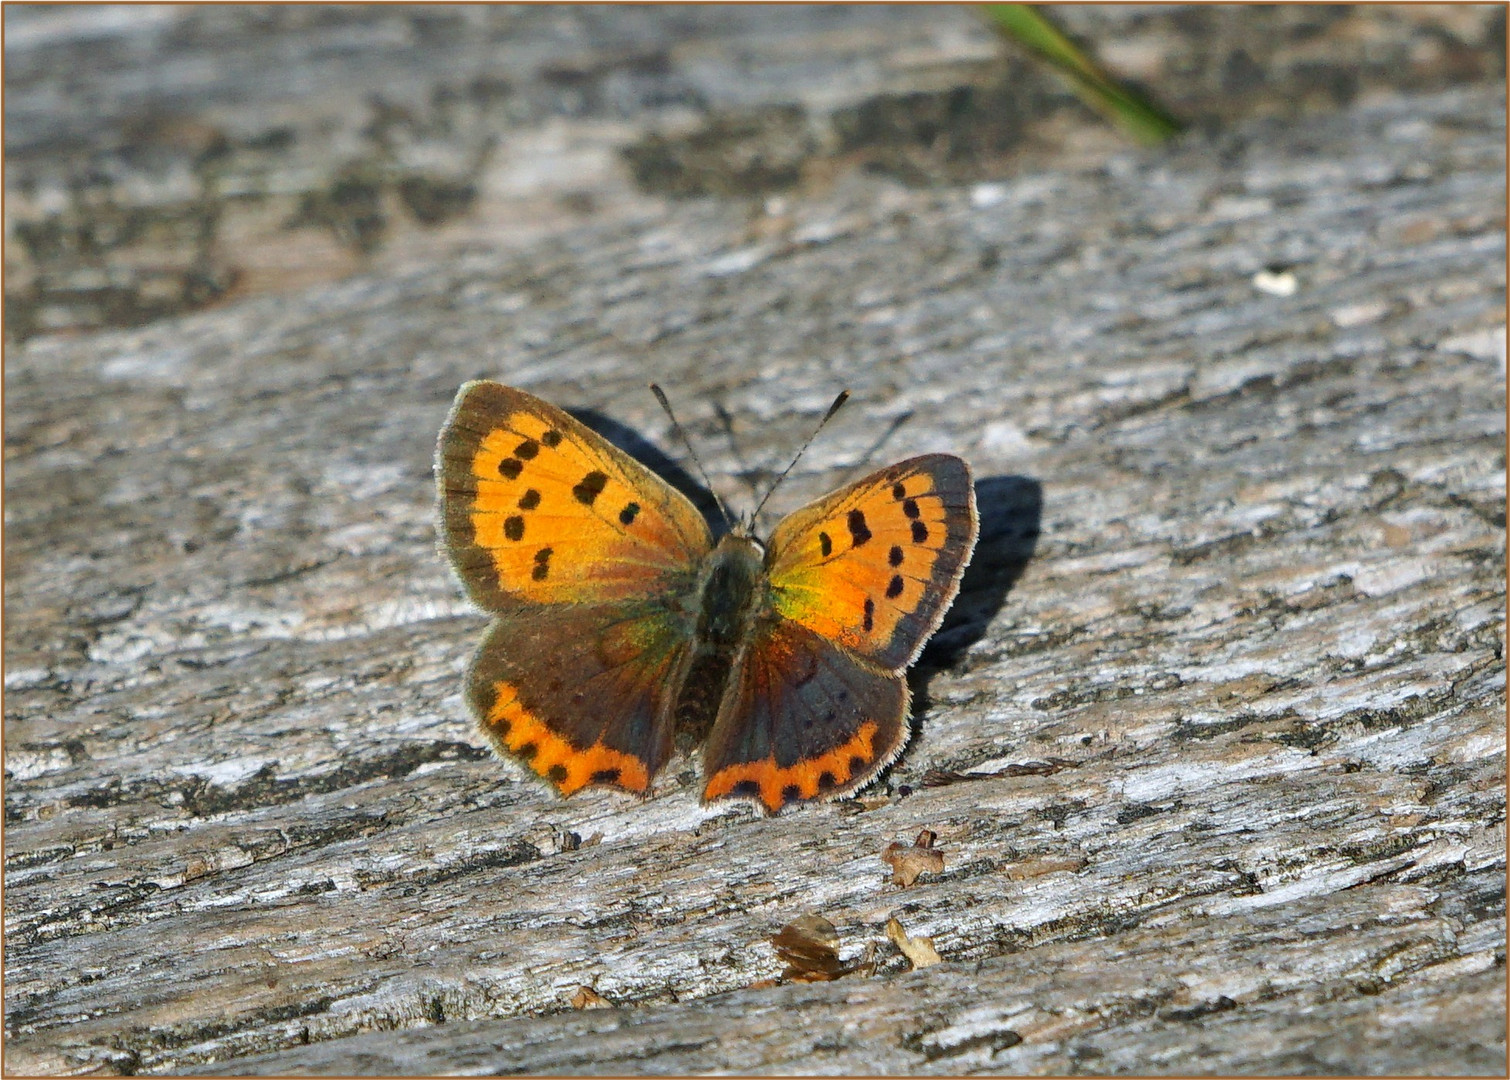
(874, 566)
(536, 507)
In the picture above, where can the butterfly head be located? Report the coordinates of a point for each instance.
(743, 527)
(741, 536)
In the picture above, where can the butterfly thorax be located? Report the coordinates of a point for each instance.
(732, 578)
(732, 596)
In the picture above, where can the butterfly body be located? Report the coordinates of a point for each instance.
(623, 632)
(732, 597)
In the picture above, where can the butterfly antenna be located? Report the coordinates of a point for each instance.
(660, 395)
(835, 407)
(727, 423)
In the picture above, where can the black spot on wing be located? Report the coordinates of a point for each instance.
(510, 468)
(919, 532)
(894, 587)
(894, 556)
(859, 532)
(529, 500)
(590, 487)
(628, 514)
(825, 545)
(551, 438)
(513, 527)
(526, 450)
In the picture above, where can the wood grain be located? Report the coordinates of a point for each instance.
(1241, 575)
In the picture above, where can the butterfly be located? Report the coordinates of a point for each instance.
(622, 632)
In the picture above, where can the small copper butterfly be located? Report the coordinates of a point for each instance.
(621, 629)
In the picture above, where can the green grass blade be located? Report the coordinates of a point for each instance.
(1135, 115)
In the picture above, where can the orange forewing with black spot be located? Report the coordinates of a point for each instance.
(874, 566)
(536, 507)
(618, 619)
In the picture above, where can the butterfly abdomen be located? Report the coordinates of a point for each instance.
(733, 593)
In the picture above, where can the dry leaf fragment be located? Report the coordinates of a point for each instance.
(588, 998)
(810, 947)
(919, 950)
(907, 863)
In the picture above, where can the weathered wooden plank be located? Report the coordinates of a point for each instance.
(1091, 1005)
(1242, 566)
(160, 161)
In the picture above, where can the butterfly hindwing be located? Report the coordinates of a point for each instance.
(580, 694)
(802, 719)
(874, 565)
(537, 508)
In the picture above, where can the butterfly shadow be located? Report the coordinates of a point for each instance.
(654, 458)
(1010, 509)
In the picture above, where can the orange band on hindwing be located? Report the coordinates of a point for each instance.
(775, 786)
(524, 735)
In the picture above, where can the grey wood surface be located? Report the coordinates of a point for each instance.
(159, 160)
(1241, 575)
